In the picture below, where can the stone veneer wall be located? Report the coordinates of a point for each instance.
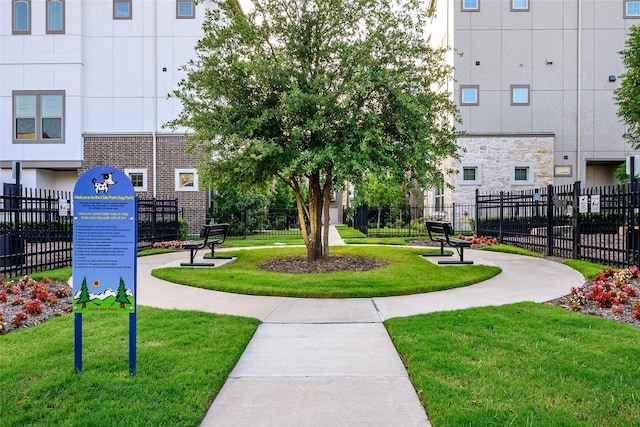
(136, 152)
(495, 156)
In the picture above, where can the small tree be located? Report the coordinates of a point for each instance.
(628, 94)
(316, 92)
(381, 193)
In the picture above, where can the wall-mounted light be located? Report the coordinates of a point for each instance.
(612, 78)
(477, 62)
(548, 62)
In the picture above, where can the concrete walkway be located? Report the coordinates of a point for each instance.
(319, 362)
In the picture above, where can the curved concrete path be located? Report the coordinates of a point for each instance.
(322, 362)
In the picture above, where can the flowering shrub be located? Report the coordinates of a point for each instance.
(61, 293)
(19, 318)
(486, 241)
(175, 244)
(3, 297)
(609, 289)
(18, 301)
(40, 292)
(33, 306)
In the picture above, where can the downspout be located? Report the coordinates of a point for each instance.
(155, 99)
(579, 96)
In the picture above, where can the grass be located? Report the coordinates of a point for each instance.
(521, 364)
(184, 357)
(587, 268)
(347, 232)
(405, 273)
(250, 241)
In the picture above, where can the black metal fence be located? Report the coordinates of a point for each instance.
(374, 222)
(262, 223)
(157, 221)
(593, 224)
(36, 228)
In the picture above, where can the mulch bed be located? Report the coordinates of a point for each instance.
(298, 264)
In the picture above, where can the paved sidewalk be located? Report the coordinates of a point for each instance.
(319, 362)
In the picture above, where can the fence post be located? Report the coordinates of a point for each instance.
(501, 216)
(474, 229)
(576, 220)
(549, 220)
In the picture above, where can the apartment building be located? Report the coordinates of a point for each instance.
(85, 83)
(534, 82)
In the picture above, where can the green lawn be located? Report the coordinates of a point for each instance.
(405, 273)
(184, 357)
(520, 365)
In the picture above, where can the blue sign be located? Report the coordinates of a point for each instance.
(104, 242)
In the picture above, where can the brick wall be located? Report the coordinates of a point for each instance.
(136, 152)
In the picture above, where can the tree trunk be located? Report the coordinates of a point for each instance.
(326, 201)
(316, 202)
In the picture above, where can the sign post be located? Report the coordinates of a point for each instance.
(105, 221)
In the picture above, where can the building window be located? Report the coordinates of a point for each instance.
(122, 9)
(520, 95)
(186, 180)
(522, 174)
(469, 95)
(470, 174)
(185, 9)
(138, 178)
(519, 5)
(21, 16)
(38, 116)
(631, 9)
(55, 16)
(470, 5)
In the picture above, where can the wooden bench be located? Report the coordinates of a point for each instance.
(213, 234)
(441, 232)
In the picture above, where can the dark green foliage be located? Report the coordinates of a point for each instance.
(628, 94)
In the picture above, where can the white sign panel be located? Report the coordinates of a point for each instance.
(584, 204)
(595, 203)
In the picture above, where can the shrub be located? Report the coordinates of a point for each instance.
(3, 297)
(33, 306)
(61, 293)
(19, 318)
(18, 301)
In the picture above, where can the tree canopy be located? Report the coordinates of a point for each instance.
(314, 92)
(628, 94)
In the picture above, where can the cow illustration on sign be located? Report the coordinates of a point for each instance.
(107, 180)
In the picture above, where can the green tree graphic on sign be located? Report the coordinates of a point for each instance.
(122, 294)
(84, 294)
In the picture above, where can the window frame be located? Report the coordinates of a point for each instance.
(193, 9)
(477, 167)
(517, 103)
(145, 180)
(470, 9)
(625, 9)
(115, 9)
(38, 117)
(527, 8)
(522, 165)
(14, 30)
(474, 87)
(62, 17)
(179, 186)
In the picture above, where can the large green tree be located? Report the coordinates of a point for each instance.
(313, 92)
(628, 94)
